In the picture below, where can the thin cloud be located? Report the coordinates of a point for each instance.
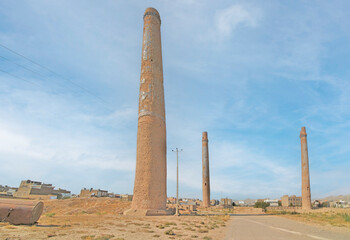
(227, 20)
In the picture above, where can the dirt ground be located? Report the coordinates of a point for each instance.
(102, 219)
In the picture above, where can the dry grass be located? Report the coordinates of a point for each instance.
(169, 232)
(78, 206)
(329, 216)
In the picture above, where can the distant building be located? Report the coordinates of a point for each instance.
(291, 201)
(172, 200)
(273, 202)
(249, 202)
(191, 201)
(84, 193)
(62, 193)
(39, 190)
(340, 204)
(29, 187)
(7, 191)
(111, 195)
(189, 206)
(316, 203)
(226, 202)
(126, 197)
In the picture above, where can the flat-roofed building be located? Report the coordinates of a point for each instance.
(291, 201)
(189, 206)
(62, 193)
(93, 193)
(126, 197)
(226, 202)
(39, 190)
(272, 202)
(7, 191)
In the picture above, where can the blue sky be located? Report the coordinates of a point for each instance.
(251, 73)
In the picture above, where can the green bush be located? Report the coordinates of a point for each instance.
(169, 232)
(346, 217)
(263, 205)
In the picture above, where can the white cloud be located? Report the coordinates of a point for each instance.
(44, 136)
(12, 142)
(230, 18)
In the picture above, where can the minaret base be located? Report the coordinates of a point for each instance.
(148, 212)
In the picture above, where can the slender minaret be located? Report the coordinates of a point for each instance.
(305, 177)
(150, 177)
(205, 170)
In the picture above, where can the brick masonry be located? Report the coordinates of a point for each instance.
(305, 176)
(150, 177)
(205, 170)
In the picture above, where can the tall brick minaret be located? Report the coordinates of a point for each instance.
(305, 176)
(205, 170)
(150, 178)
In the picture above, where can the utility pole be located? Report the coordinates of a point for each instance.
(177, 180)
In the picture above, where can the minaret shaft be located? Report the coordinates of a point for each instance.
(205, 171)
(305, 176)
(150, 176)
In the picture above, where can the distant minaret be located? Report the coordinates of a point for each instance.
(305, 176)
(150, 178)
(205, 170)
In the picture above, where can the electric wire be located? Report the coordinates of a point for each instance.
(21, 66)
(30, 70)
(12, 75)
(53, 72)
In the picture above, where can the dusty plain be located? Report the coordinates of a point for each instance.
(102, 219)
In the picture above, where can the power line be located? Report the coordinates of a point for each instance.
(12, 75)
(53, 72)
(19, 65)
(26, 68)
(34, 83)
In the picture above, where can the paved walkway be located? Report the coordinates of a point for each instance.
(265, 227)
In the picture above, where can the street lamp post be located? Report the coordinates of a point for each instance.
(177, 180)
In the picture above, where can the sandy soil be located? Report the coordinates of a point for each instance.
(102, 219)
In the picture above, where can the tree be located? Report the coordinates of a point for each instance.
(263, 205)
